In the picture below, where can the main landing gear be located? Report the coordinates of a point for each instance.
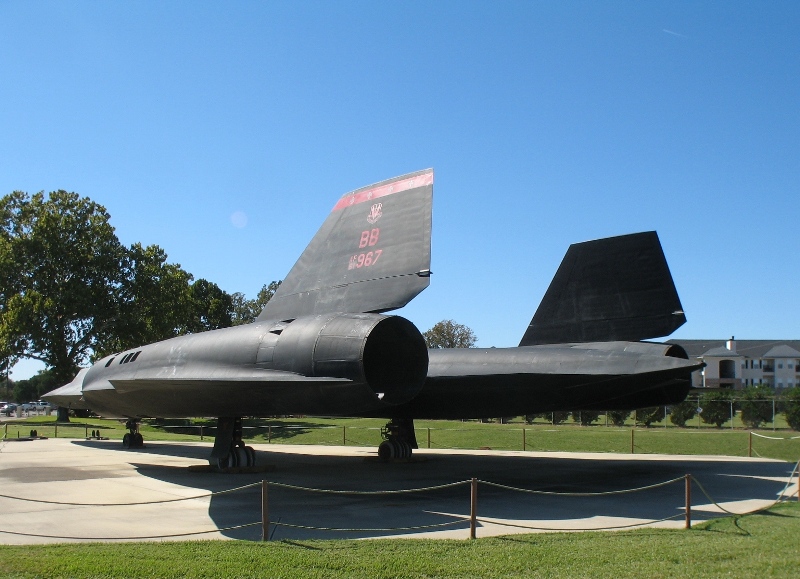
(229, 448)
(133, 438)
(399, 439)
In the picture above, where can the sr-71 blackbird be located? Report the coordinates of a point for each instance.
(324, 346)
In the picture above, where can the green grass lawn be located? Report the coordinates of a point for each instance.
(443, 434)
(761, 545)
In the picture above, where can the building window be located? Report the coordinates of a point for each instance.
(780, 365)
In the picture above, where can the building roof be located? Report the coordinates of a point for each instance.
(721, 352)
(747, 348)
(782, 351)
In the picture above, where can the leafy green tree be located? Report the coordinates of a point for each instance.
(59, 279)
(246, 311)
(756, 405)
(716, 407)
(618, 417)
(153, 304)
(35, 386)
(558, 417)
(791, 407)
(211, 307)
(449, 334)
(648, 416)
(682, 413)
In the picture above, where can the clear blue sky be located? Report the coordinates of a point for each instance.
(547, 123)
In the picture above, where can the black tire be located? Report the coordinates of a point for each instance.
(126, 440)
(138, 440)
(387, 451)
(251, 456)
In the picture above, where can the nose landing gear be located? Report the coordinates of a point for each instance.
(133, 438)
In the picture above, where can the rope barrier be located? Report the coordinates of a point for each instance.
(760, 509)
(630, 526)
(391, 492)
(775, 437)
(138, 538)
(387, 530)
(216, 493)
(597, 494)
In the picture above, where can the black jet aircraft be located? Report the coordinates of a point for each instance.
(324, 346)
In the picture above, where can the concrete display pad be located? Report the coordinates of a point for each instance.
(80, 472)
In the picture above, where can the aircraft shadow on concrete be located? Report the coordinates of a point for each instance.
(724, 480)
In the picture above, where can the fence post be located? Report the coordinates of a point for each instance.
(264, 512)
(750, 444)
(473, 507)
(344, 436)
(269, 433)
(56, 433)
(632, 429)
(86, 431)
(688, 524)
(524, 444)
(429, 437)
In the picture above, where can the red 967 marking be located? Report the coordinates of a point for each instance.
(364, 259)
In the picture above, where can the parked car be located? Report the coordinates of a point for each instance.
(27, 406)
(8, 408)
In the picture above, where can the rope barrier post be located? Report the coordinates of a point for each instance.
(473, 507)
(688, 502)
(86, 431)
(344, 436)
(201, 432)
(750, 445)
(632, 429)
(264, 512)
(429, 437)
(524, 445)
(56, 434)
(269, 433)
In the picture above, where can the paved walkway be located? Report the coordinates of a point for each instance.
(77, 471)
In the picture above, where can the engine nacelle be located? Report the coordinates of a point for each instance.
(385, 354)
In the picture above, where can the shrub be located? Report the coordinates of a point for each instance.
(791, 406)
(716, 407)
(647, 416)
(618, 417)
(682, 413)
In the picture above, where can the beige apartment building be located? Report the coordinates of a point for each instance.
(741, 363)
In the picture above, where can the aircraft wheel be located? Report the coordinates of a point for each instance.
(126, 440)
(138, 440)
(251, 456)
(386, 450)
(241, 456)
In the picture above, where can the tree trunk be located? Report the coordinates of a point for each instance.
(63, 414)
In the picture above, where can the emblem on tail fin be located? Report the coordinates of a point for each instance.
(375, 213)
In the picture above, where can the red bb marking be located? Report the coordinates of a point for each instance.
(369, 238)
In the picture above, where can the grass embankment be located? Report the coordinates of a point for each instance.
(762, 545)
(444, 434)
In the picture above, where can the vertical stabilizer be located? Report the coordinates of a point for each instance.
(618, 288)
(372, 253)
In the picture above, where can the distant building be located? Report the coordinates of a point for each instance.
(742, 363)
